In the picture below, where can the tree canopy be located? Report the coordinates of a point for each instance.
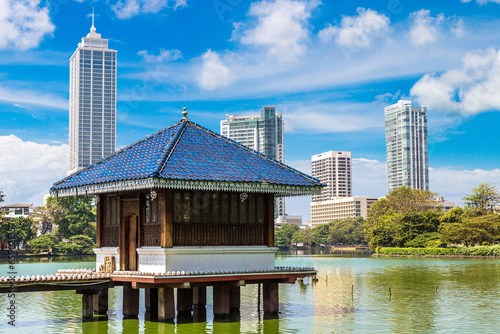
(484, 198)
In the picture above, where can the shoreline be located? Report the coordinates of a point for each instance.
(439, 256)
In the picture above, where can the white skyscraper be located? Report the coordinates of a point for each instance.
(333, 169)
(92, 102)
(263, 133)
(406, 139)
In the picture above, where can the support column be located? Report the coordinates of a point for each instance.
(184, 301)
(101, 302)
(234, 298)
(130, 301)
(221, 300)
(87, 306)
(151, 299)
(166, 304)
(200, 297)
(270, 298)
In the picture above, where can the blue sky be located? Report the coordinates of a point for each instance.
(330, 67)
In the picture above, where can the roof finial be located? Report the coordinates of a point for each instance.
(184, 113)
(93, 28)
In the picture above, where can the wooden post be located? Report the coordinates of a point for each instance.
(167, 219)
(184, 301)
(166, 304)
(87, 306)
(221, 300)
(271, 298)
(234, 298)
(200, 296)
(269, 217)
(101, 302)
(130, 301)
(99, 220)
(151, 300)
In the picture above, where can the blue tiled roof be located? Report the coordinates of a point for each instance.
(187, 151)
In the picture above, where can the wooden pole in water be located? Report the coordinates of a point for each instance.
(352, 291)
(390, 294)
(258, 298)
(326, 279)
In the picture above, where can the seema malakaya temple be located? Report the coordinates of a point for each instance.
(187, 208)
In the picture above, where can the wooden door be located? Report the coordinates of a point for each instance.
(132, 242)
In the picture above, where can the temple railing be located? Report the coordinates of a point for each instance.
(191, 234)
(151, 235)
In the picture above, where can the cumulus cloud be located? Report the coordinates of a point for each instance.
(164, 56)
(357, 31)
(28, 169)
(471, 89)
(282, 27)
(214, 73)
(125, 9)
(424, 28)
(458, 29)
(24, 24)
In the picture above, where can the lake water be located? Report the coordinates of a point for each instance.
(427, 296)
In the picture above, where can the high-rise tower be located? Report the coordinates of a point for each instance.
(92, 101)
(333, 169)
(263, 133)
(406, 139)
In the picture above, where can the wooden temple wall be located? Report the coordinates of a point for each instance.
(186, 218)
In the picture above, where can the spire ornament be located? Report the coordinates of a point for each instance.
(184, 113)
(92, 29)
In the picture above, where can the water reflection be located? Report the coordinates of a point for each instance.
(351, 296)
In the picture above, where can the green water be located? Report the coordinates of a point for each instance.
(428, 296)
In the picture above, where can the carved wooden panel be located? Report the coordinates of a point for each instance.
(108, 266)
(110, 236)
(218, 234)
(151, 235)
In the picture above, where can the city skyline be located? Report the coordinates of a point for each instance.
(330, 68)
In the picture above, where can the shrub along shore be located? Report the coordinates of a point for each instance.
(473, 252)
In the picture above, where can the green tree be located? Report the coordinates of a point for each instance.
(45, 243)
(484, 198)
(280, 240)
(78, 217)
(22, 229)
(413, 225)
(48, 215)
(472, 231)
(321, 233)
(347, 231)
(288, 231)
(82, 244)
(303, 237)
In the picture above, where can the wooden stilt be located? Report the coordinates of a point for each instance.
(101, 302)
(271, 298)
(87, 306)
(200, 296)
(221, 300)
(130, 301)
(234, 298)
(151, 300)
(166, 304)
(184, 301)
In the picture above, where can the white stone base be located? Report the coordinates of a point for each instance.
(107, 251)
(160, 260)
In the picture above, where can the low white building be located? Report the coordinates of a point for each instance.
(441, 202)
(340, 208)
(17, 210)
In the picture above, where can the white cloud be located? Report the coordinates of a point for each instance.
(129, 8)
(164, 56)
(331, 117)
(23, 96)
(24, 24)
(28, 169)
(281, 27)
(357, 31)
(424, 28)
(458, 29)
(214, 73)
(471, 89)
(483, 2)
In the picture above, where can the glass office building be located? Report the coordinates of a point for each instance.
(263, 133)
(406, 140)
(92, 109)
